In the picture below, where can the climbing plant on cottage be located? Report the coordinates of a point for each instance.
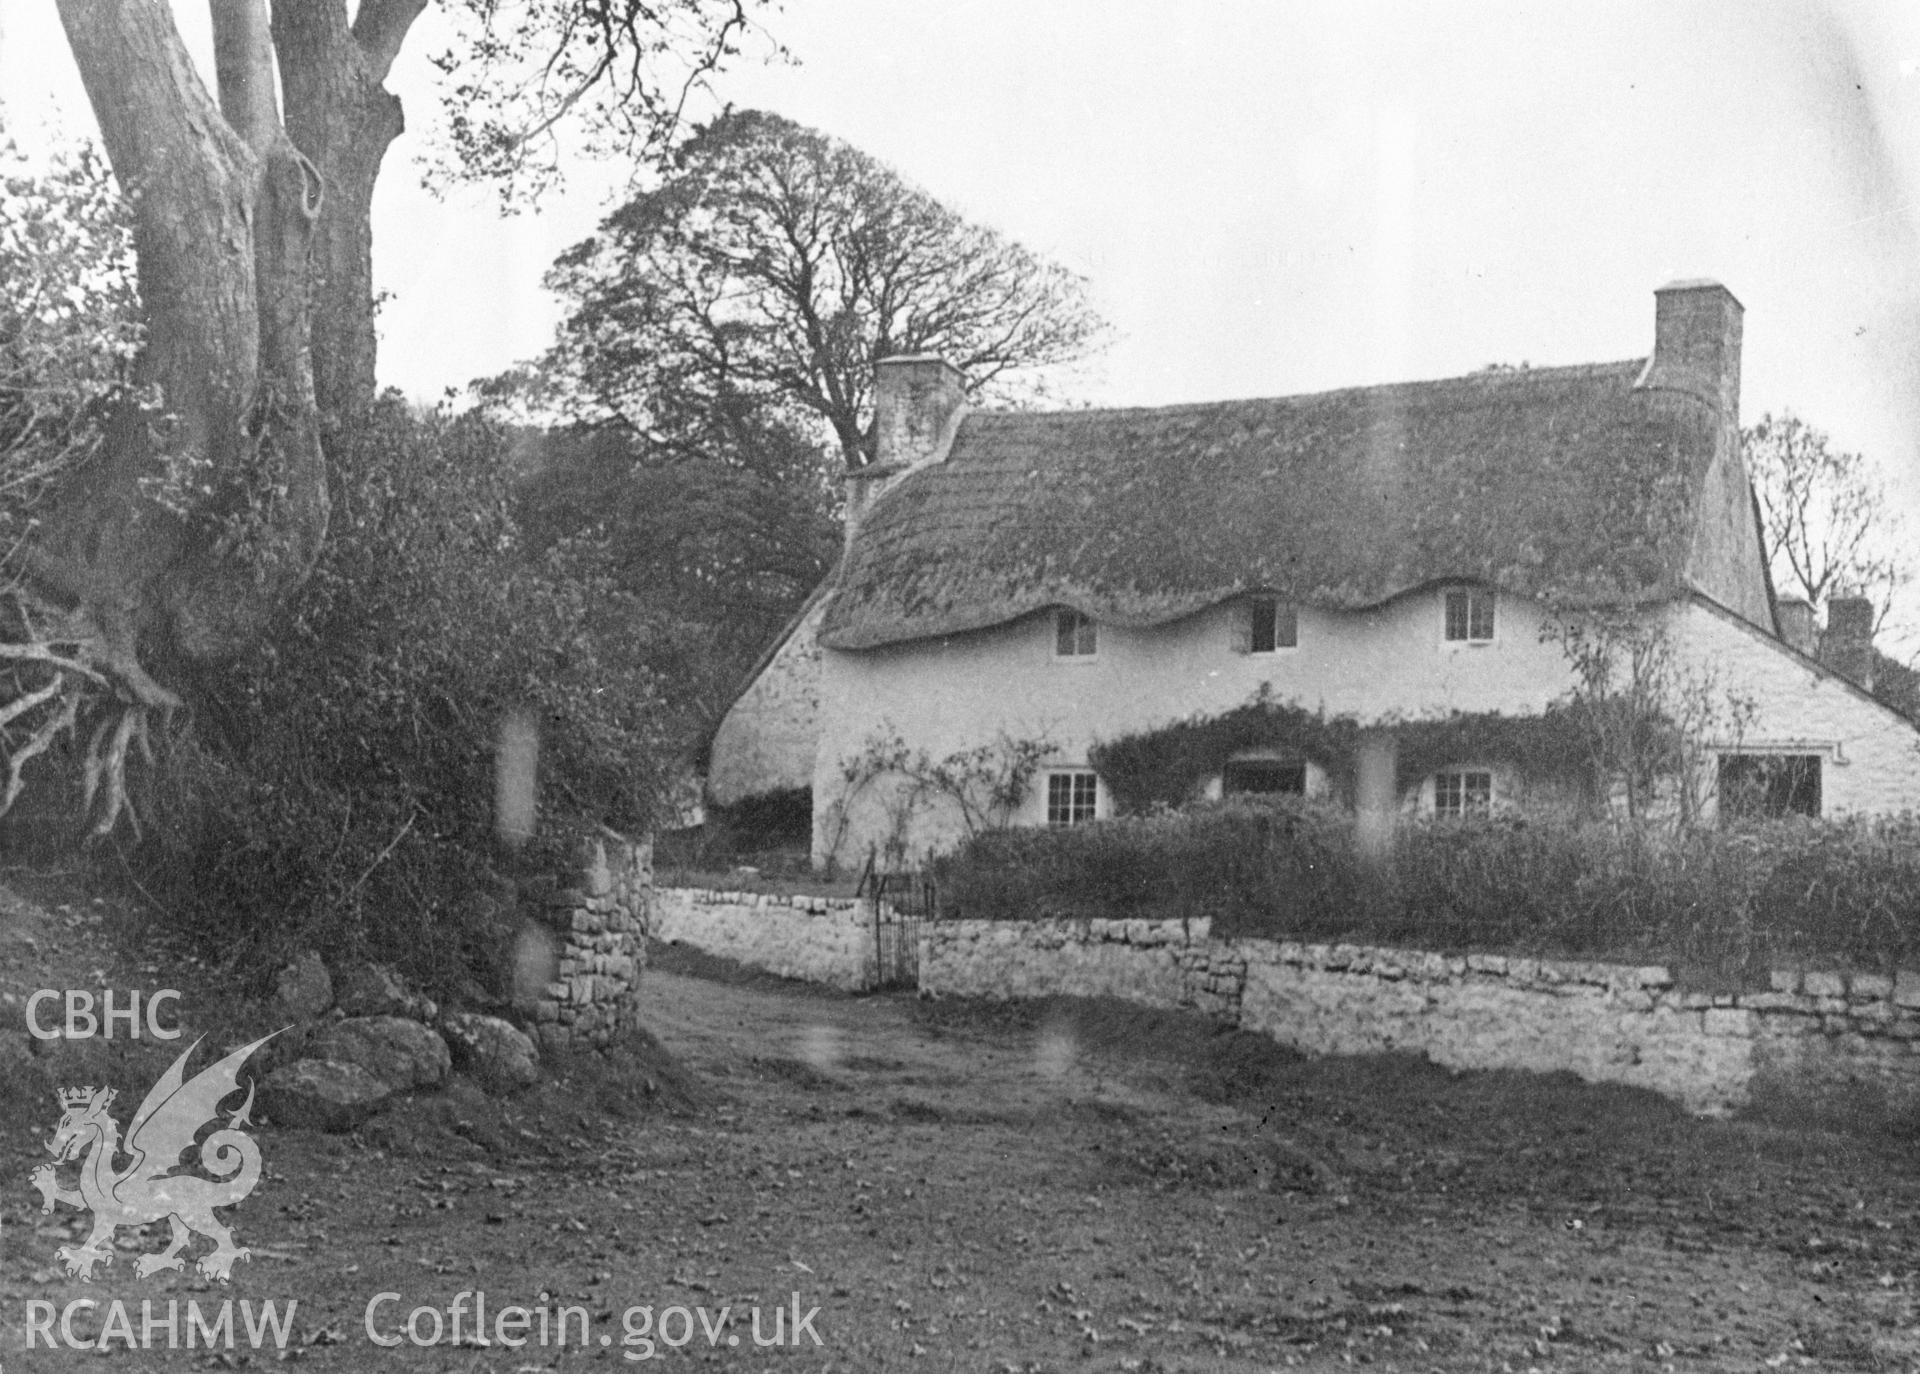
(1634, 727)
(1646, 720)
(984, 786)
(1166, 767)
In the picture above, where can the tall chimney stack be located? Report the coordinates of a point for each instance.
(1696, 344)
(917, 402)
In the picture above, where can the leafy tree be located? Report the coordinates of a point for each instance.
(1824, 517)
(773, 266)
(712, 544)
(194, 523)
(722, 338)
(69, 325)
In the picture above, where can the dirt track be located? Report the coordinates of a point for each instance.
(1066, 1187)
(1128, 1191)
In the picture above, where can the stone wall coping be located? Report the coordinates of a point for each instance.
(1794, 991)
(1404, 962)
(1087, 930)
(805, 904)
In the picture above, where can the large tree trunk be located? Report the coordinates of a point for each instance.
(178, 542)
(342, 117)
(193, 526)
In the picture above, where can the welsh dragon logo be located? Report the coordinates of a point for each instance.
(150, 1188)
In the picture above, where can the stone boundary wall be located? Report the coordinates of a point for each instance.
(599, 928)
(820, 939)
(1829, 1041)
(1166, 964)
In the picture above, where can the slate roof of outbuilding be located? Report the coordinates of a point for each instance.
(1565, 483)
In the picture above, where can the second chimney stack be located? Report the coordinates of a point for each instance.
(1847, 645)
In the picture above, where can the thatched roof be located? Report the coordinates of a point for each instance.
(1564, 483)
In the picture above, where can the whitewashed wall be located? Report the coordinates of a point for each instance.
(1870, 755)
(768, 739)
(955, 693)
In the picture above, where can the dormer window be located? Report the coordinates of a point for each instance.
(1470, 615)
(1266, 625)
(1074, 635)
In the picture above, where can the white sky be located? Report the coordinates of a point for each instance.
(1281, 197)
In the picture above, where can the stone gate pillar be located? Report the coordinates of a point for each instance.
(599, 926)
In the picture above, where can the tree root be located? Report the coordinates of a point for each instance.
(56, 669)
(39, 741)
(106, 767)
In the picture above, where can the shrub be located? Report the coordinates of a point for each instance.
(1241, 862)
(1501, 881)
(1851, 886)
(772, 831)
(69, 319)
(337, 789)
(1734, 899)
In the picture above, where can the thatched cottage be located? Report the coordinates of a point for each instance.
(1382, 555)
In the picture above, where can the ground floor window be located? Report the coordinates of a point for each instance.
(1768, 786)
(1263, 777)
(1071, 797)
(1463, 792)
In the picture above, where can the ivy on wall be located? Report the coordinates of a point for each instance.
(1557, 743)
(1168, 766)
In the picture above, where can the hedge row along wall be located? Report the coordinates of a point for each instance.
(1740, 901)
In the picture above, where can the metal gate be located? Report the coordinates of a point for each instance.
(897, 905)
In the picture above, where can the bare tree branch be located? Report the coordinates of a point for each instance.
(622, 71)
(1826, 526)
